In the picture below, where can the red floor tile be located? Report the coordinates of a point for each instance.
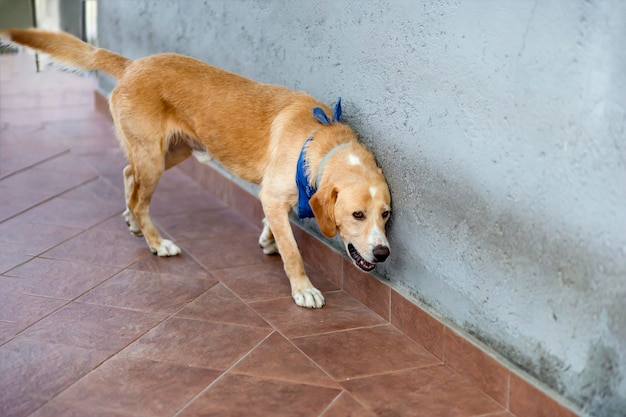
(14, 159)
(33, 238)
(23, 309)
(183, 200)
(109, 163)
(227, 251)
(197, 343)
(71, 213)
(101, 247)
(99, 190)
(356, 353)
(140, 386)
(277, 358)
(183, 265)
(43, 99)
(68, 162)
(32, 372)
(346, 406)
(205, 224)
(417, 324)
(317, 254)
(341, 312)
(434, 391)
(45, 181)
(266, 281)
(471, 362)
(12, 255)
(147, 291)
(367, 289)
(59, 279)
(92, 326)
(527, 400)
(8, 330)
(221, 305)
(240, 395)
(56, 408)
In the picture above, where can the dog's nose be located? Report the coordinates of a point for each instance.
(380, 253)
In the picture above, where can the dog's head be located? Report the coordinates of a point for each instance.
(354, 201)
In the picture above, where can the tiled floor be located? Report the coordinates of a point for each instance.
(93, 324)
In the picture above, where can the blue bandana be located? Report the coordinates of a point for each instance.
(303, 180)
(305, 189)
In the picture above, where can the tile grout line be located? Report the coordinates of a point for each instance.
(114, 354)
(395, 371)
(372, 326)
(330, 404)
(482, 391)
(222, 375)
(309, 358)
(47, 200)
(34, 165)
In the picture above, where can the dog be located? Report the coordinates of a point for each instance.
(167, 107)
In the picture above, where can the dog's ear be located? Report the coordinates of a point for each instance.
(323, 206)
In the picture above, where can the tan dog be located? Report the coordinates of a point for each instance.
(166, 107)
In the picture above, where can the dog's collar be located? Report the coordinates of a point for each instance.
(306, 187)
(325, 159)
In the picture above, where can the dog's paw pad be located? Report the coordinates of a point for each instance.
(309, 298)
(167, 248)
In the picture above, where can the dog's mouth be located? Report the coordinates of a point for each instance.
(358, 259)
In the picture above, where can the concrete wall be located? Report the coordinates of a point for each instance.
(15, 14)
(501, 128)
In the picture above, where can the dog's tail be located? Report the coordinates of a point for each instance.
(68, 50)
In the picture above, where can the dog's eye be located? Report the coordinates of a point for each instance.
(358, 215)
(385, 214)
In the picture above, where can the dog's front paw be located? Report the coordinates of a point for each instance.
(167, 248)
(309, 298)
(133, 226)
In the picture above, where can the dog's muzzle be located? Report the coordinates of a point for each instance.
(380, 253)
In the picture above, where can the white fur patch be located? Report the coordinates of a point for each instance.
(377, 237)
(266, 240)
(202, 156)
(353, 159)
(133, 226)
(373, 191)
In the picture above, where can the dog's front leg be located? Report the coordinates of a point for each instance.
(302, 291)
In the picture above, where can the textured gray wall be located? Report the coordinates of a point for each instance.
(501, 128)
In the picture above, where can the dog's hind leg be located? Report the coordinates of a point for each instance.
(141, 177)
(129, 183)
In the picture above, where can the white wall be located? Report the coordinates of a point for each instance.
(501, 128)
